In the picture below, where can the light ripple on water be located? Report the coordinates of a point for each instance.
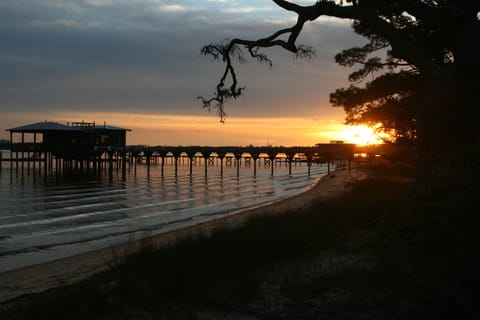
(44, 218)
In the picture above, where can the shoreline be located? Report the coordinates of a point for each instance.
(38, 278)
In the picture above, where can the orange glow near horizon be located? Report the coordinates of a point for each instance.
(156, 129)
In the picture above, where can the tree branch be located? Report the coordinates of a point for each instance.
(232, 48)
(357, 12)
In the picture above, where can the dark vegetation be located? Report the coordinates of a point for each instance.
(373, 253)
(423, 62)
(416, 77)
(402, 244)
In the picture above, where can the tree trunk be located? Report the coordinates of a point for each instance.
(449, 134)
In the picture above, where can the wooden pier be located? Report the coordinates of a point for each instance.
(125, 157)
(82, 145)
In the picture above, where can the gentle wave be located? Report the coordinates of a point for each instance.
(58, 215)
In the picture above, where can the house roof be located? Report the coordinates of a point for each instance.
(43, 126)
(55, 126)
(112, 128)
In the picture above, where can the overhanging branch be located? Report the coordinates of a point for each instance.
(228, 88)
(233, 49)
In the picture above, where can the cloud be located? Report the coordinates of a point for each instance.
(144, 56)
(68, 5)
(242, 10)
(69, 23)
(287, 21)
(100, 2)
(176, 8)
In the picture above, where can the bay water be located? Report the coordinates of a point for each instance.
(44, 217)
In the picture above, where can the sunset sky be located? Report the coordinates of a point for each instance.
(137, 64)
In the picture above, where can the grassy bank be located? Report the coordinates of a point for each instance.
(371, 254)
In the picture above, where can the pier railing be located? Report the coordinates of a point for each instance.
(321, 151)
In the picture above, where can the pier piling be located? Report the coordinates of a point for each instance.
(122, 157)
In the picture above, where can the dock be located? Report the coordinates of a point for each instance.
(84, 145)
(110, 157)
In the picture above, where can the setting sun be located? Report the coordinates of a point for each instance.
(360, 135)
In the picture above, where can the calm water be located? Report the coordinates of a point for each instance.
(46, 217)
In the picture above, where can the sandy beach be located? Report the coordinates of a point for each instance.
(40, 277)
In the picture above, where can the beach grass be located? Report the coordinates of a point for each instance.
(369, 254)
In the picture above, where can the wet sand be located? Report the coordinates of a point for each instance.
(38, 278)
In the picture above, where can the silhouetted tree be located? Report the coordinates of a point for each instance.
(389, 99)
(436, 38)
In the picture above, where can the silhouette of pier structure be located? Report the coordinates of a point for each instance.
(127, 157)
(235, 156)
(81, 145)
(52, 144)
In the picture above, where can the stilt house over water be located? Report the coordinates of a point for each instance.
(73, 141)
